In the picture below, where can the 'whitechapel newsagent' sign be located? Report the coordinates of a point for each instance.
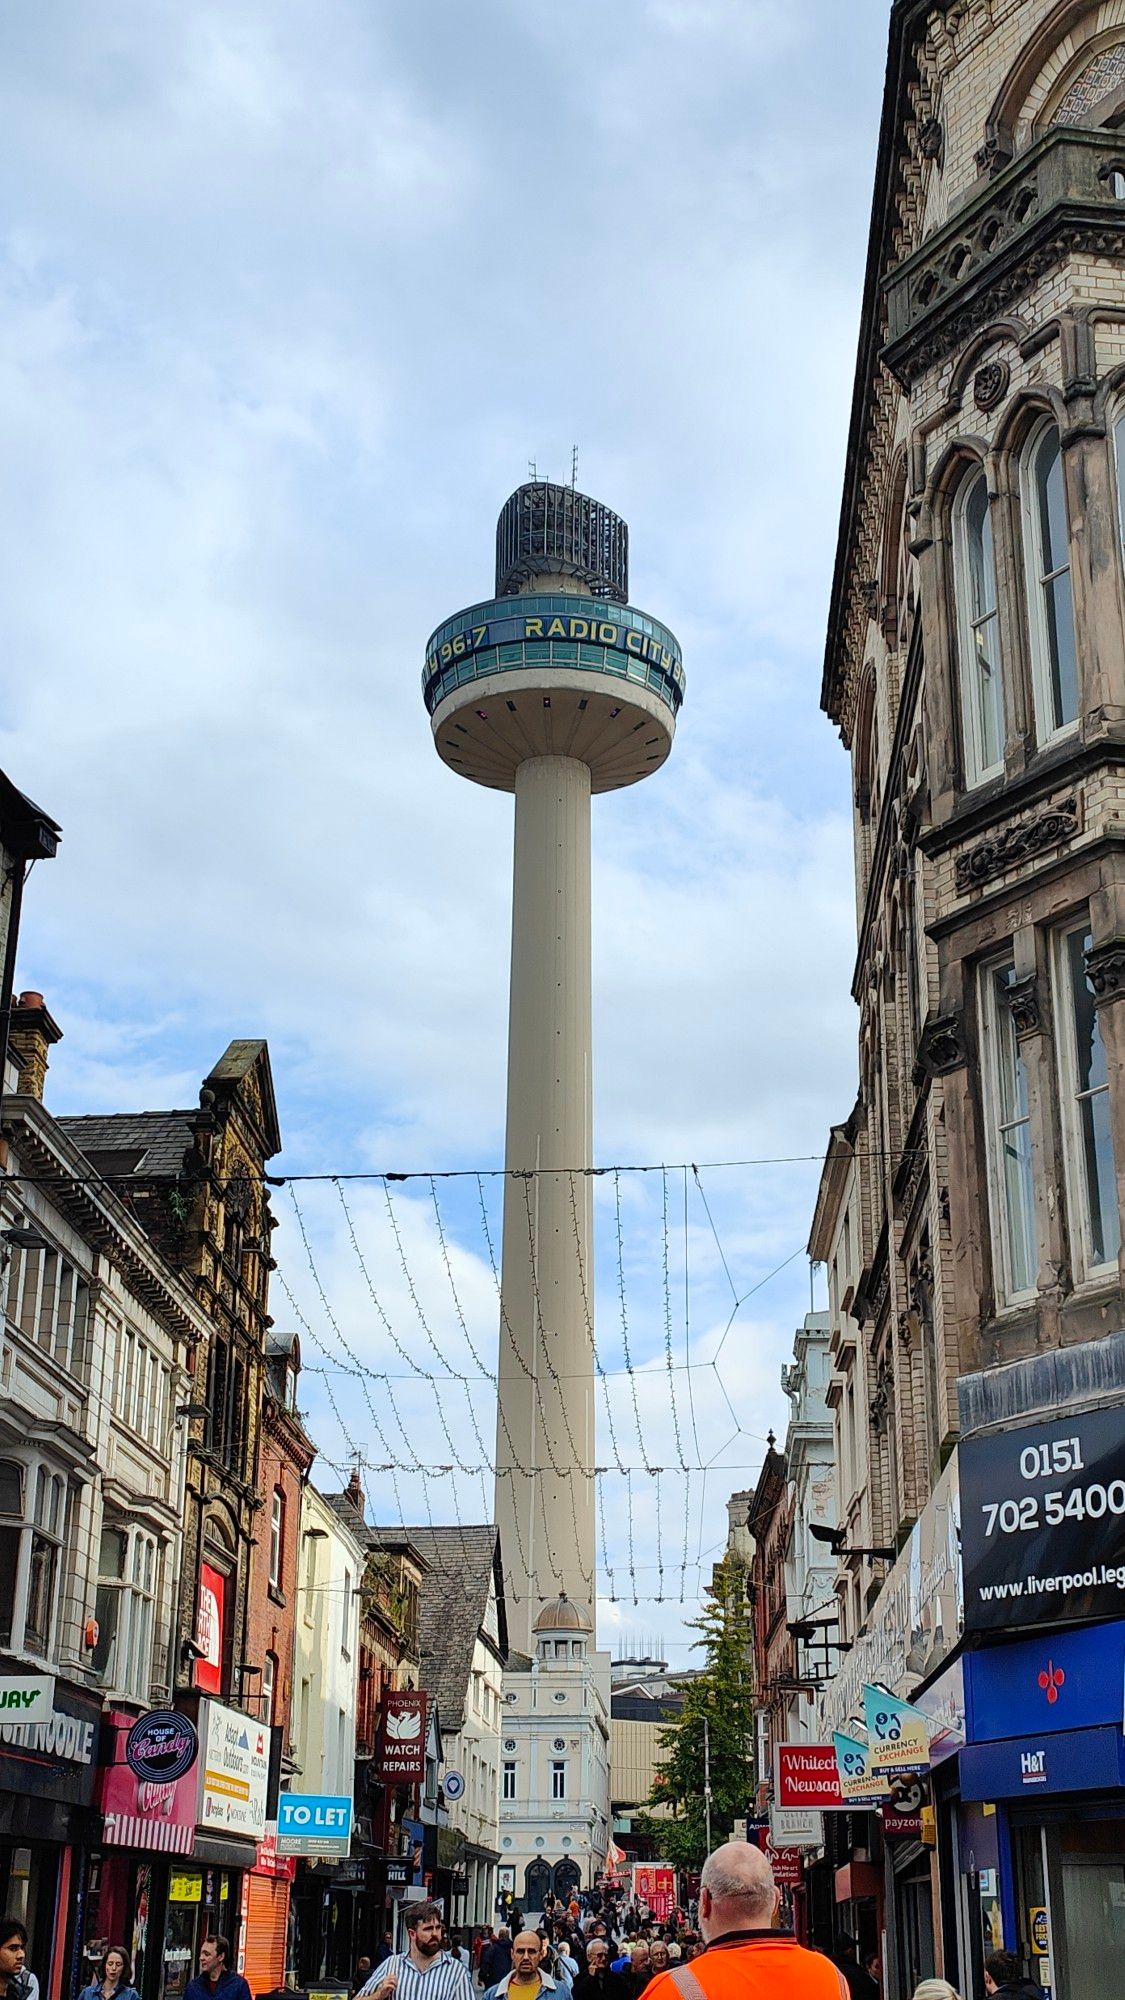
(236, 1768)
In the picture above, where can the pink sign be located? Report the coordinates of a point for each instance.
(143, 1812)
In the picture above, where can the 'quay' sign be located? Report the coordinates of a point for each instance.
(26, 1697)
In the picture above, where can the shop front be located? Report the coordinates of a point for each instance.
(1045, 1764)
(48, 1825)
(1038, 1839)
(176, 1849)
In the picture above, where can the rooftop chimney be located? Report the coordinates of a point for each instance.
(32, 1032)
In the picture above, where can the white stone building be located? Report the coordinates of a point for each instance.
(554, 1768)
(326, 1649)
(810, 1563)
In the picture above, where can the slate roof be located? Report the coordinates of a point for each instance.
(151, 1144)
(453, 1604)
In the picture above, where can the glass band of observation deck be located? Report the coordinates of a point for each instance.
(580, 634)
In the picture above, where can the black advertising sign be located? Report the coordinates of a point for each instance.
(1043, 1522)
(162, 1746)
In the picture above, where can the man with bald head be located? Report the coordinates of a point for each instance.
(745, 1957)
(528, 1977)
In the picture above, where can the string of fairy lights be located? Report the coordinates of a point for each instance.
(449, 1408)
(356, 1374)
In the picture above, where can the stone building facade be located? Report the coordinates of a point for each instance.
(976, 670)
(195, 1179)
(969, 1211)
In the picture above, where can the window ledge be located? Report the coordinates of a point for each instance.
(277, 1596)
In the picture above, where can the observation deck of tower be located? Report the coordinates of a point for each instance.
(554, 688)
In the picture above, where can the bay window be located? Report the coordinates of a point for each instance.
(33, 1525)
(1084, 1090)
(1008, 1133)
(978, 631)
(1054, 659)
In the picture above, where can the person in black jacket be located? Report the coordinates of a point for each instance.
(598, 1982)
(861, 1986)
(496, 1959)
(1002, 1975)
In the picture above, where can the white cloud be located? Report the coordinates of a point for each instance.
(286, 313)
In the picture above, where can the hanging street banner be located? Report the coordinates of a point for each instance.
(402, 1738)
(860, 1785)
(898, 1735)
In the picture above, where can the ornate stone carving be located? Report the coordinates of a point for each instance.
(942, 1046)
(990, 384)
(1105, 970)
(1023, 1005)
(869, 594)
(1018, 226)
(991, 157)
(1011, 844)
(931, 138)
(881, 1400)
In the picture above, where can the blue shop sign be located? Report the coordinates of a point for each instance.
(1047, 1685)
(1027, 1767)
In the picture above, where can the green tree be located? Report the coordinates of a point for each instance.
(722, 1696)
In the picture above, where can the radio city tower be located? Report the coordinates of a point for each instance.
(553, 689)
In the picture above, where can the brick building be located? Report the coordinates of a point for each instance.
(285, 1457)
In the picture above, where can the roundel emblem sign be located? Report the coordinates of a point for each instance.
(161, 1746)
(453, 1784)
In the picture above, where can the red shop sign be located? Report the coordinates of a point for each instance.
(805, 1774)
(787, 1865)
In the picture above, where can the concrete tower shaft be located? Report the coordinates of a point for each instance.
(554, 689)
(545, 1502)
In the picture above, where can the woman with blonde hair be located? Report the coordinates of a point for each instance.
(934, 1989)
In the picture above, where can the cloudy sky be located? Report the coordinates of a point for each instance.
(292, 295)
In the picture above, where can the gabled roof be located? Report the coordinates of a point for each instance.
(25, 829)
(153, 1145)
(234, 1067)
(465, 1563)
(150, 1144)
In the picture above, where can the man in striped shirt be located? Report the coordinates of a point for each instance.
(425, 1971)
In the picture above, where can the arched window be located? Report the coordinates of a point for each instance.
(1054, 661)
(978, 631)
(1097, 96)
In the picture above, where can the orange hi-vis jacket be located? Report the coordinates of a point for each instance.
(754, 1965)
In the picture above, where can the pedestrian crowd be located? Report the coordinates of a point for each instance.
(730, 1947)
